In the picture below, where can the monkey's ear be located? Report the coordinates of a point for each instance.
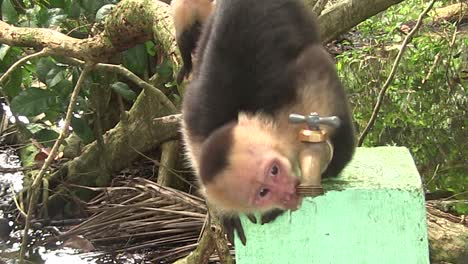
(271, 216)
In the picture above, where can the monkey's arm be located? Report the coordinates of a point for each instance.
(187, 42)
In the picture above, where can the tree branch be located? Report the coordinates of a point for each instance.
(389, 80)
(42, 53)
(123, 30)
(345, 15)
(119, 69)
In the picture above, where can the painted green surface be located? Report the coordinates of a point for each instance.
(373, 213)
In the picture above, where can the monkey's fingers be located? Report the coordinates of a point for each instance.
(233, 224)
(271, 216)
(252, 218)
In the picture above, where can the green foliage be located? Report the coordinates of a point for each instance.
(425, 108)
(82, 129)
(46, 136)
(9, 13)
(32, 102)
(40, 89)
(123, 90)
(136, 59)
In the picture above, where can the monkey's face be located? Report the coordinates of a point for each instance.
(273, 183)
(256, 180)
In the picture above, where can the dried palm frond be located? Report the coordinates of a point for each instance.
(139, 215)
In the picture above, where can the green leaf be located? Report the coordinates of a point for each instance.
(13, 86)
(53, 114)
(136, 59)
(82, 129)
(63, 88)
(38, 16)
(9, 13)
(32, 102)
(54, 17)
(73, 10)
(58, 3)
(123, 90)
(164, 69)
(150, 48)
(54, 76)
(103, 12)
(92, 6)
(35, 127)
(4, 51)
(47, 137)
(44, 65)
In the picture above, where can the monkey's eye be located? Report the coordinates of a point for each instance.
(263, 192)
(274, 170)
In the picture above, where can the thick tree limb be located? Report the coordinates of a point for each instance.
(201, 255)
(139, 133)
(346, 14)
(448, 240)
(131, 23)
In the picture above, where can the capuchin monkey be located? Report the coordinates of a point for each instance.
(189, 17)
(259, 61)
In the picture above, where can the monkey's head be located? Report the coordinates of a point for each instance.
(243, 169)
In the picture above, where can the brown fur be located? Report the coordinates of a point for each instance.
(246, 142)
(261, 61)
(186, 12)
(276, 133)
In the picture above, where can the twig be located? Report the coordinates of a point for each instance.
(433, 175)
(38, 179)
(18, 206)
(431, 70)
(389, 80)
(42, 53)
(130, 76)
(138, 81)
(19, 169)
(449, 60)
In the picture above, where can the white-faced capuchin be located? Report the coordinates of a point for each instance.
(259, 62)
(189, 17)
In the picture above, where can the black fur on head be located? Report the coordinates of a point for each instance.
(215, 151)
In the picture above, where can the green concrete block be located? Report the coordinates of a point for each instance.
(373, 213)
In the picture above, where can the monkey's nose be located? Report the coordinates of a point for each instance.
(291, 201)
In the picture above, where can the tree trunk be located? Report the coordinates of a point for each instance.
(448, 240)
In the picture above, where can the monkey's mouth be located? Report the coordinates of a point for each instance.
(291, 202)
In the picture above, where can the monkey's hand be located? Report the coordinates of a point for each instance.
(233, 224)
(271, 216)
